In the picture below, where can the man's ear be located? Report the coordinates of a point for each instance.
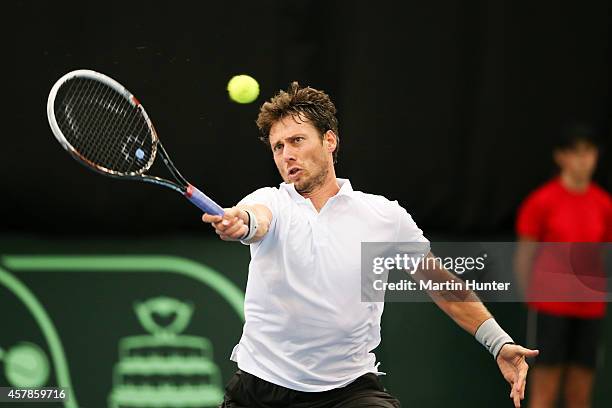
(331, 141)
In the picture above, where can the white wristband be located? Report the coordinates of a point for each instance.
(492, 336)
(252, 228)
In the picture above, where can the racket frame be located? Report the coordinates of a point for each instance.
(185, 188)
(155, 143)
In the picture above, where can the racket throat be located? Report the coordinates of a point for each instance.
(175, 173)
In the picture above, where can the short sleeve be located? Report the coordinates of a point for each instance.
(408, 231)
(410, 235)
(530, 218)
(265, 196)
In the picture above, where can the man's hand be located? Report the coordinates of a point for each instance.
(512, 364)
(231, 226)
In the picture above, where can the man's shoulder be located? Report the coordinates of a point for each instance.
(266, 190)
(263, 195)
(375, 200)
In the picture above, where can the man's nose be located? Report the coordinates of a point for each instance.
(288, 154)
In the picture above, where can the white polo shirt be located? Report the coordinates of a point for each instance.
(306, 327)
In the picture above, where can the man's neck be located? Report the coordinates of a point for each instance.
(324, 192)
(574, 184)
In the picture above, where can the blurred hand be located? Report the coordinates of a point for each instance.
(512, 364)
(231, 226)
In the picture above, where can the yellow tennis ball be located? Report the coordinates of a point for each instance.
(243, 89)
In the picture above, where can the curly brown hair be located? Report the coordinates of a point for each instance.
(297, 102)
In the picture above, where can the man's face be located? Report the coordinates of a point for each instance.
(579, 161)
(301, 156)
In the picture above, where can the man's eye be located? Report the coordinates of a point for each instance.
(277, 148)
(299, 139)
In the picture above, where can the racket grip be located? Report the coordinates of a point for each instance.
(202, 201)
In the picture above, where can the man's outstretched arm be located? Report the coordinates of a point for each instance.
(249, 223)
(466, 309)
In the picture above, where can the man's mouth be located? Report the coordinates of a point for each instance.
(294, 172)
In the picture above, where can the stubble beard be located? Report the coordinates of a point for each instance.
(311, 184)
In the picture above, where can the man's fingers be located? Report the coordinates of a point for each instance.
(231, 215)
(520, 376)
(230, 226)
(233, 233)
(522, 379)
(232, 212)
(518, 383)
(518, 389)
(228, 214)
(517, 400)
(226, 223)
(234, 228)
(528, 352)
(207, 218)
(235, 236)
(244, 231)
(515, 396)
(514, 356)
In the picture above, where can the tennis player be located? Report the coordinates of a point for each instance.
(307, 338)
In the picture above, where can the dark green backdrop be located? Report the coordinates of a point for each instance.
(430, 362)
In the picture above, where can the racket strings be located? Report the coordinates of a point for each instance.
(110, 128)
(90, 129)
(88, 118)
(126, 152)
(104, 127)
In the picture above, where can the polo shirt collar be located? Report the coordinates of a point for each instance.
(345, 189)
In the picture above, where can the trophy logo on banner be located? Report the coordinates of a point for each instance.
(165, 368)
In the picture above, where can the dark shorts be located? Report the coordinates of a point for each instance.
(246, 390)
(564, 340)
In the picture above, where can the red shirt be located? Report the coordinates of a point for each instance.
(554, 214)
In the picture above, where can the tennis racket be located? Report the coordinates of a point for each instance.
(103, 126)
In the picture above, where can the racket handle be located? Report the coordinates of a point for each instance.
(202, 201)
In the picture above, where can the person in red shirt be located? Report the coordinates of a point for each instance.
(567, 209)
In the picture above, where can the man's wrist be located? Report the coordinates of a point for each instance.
(244, 216)
(501, 348)
(252, 226)
(492, 336)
